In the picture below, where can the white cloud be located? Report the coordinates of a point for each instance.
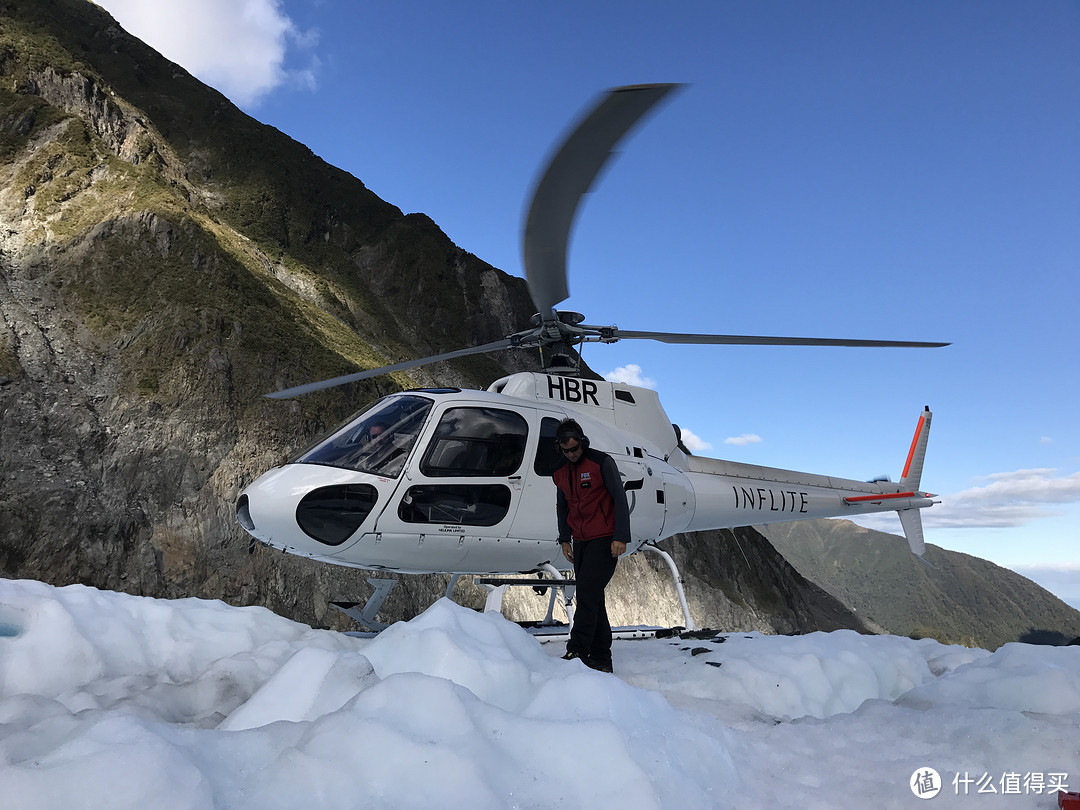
(1045, 440)
(746, 438)
(1062, 579)
(1010, 499)
(693, 442)
(631, 374)
(1063, 572)
(236, 46)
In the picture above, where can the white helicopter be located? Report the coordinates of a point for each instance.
(459, 481)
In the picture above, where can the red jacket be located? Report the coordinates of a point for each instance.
(587, 505)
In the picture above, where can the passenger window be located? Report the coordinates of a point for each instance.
(463, 504)
(478, 442)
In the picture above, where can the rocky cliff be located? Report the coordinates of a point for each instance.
(164, 261)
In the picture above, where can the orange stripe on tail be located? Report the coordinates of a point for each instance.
(914, 444)
(884, 497)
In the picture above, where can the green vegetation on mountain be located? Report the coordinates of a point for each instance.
(956, 599)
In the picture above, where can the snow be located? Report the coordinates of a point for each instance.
(111, 700)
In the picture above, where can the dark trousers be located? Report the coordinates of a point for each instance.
(593, 568)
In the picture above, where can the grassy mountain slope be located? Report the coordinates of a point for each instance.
(961, 599)
(115, 132)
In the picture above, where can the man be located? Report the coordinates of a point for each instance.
(594, 528)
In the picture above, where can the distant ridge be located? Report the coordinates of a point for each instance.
(961, 600)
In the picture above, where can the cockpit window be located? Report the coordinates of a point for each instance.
(479, 442)
(378, 441)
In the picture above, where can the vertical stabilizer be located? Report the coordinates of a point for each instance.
(912, 474)
(911, 520)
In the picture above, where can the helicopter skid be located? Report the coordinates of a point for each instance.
(366, 615)
(551, 634)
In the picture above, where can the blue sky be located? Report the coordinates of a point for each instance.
(886, 170)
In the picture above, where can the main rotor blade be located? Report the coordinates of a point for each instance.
(568, 176)
(750, 340)
(307, 388)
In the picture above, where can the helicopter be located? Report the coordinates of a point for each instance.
(455, 481)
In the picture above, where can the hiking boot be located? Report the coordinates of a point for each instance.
(599, 666)
(573, 656)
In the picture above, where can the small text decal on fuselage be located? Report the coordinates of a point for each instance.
(774, 500)
(571, 389)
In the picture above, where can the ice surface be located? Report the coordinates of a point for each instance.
(109, 700)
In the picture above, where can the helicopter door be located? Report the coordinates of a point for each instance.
(463, 491)
(536, 519)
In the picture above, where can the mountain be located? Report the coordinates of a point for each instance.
(956, 599)
(164, 261)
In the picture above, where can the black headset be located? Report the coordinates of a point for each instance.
(571, 431)
(583, 440)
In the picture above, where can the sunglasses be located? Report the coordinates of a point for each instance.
(567, 451)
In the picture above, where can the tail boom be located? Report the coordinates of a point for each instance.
(731, 493)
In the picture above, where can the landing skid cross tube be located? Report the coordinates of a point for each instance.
(497, 586)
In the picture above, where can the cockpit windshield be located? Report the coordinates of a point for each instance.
(377, 441)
